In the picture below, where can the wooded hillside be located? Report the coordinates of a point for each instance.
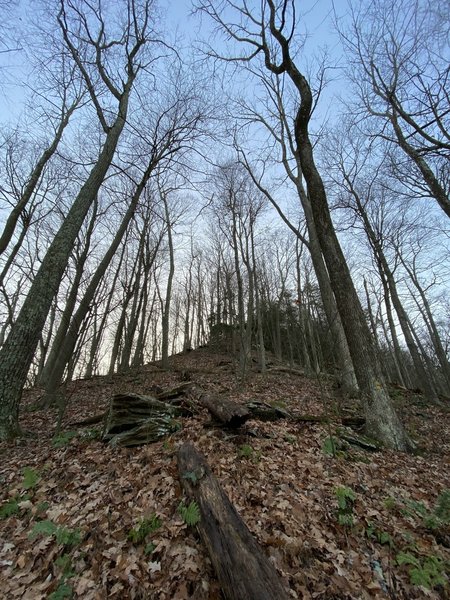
(335, 520)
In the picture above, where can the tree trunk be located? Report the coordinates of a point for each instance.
(18, 350)
(382, 421)
(166, 310)
(69, 307)
(68, 344)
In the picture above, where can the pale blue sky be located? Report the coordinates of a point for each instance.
(316, 18)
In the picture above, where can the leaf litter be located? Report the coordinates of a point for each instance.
(284, 487)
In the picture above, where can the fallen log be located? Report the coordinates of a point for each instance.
(289, 370)
(265, 412)
(355, 439)
(176, 392)
(226, 411)
(243, 570)
(151, 430)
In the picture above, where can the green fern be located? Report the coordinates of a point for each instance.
(9, 508)
(190, 514)
(64, 536)
(345, 498)
(245, 451)
(144, 528)
(428, 573)
(62, 591)
(30, 478)
(68, 537)
(64, 562)
(63, 438)
(45, 528)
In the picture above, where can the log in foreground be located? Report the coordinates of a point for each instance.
(243, 570)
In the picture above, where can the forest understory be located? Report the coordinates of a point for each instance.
(82, 519)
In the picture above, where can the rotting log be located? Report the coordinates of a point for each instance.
(243, 570)
(176, 392)
(356, 439)
(228, 412)
(151, 430)
(266, 412)
(134, 419)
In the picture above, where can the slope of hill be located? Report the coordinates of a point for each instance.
(81, 518)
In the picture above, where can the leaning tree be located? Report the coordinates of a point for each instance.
(268, 35)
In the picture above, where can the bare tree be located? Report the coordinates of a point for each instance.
(270, 35)
(84, 31)
(359, 183)
(400, 65)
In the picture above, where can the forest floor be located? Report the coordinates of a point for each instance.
(72, 506)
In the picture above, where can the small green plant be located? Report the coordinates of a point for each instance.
(245, 451)
(63, 535)
(68, 537)
(333, 446)
(30, 478)
(190, 513)
(428, 572)
(11, 507)
(149, 548)
(346, 499)
(442, 508)
(433, 519)
(248, 452)
(64, 562)
(390, 503)
(63, 438)
(91, 434)
(329, 446)
(45, 528)
(63, 591)
(41, 507)
(382, 537)
(291, 439)
(144, 528)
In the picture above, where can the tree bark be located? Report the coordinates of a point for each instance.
(382, 421)
(243, 570)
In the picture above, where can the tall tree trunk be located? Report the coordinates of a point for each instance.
(18, 350)
(70, 305)
(382, 421)
(166, 309)
(67, 345)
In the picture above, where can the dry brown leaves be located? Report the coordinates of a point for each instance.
(285, 492)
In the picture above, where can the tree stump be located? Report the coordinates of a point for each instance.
(133, 419)
(243, 570)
